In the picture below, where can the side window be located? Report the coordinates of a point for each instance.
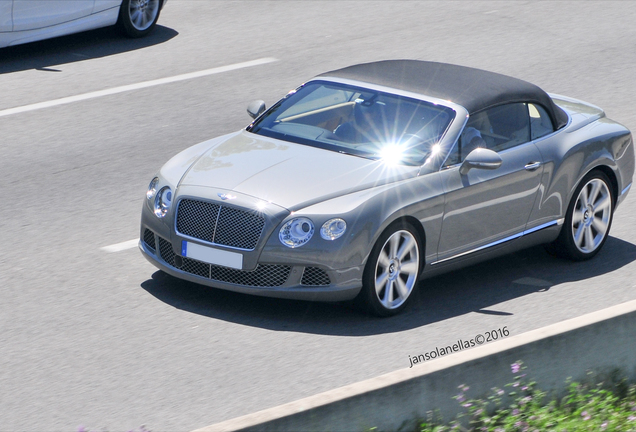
(497, 129)
(510, 126)
(540, 123)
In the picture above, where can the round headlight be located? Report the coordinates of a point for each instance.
(163, 201)
(296, 232)
(152, 188)
(333, 229)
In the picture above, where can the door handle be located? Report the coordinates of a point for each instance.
(531, 166)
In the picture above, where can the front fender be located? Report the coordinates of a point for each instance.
(367, 214)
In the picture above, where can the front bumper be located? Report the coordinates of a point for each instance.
(282, 280)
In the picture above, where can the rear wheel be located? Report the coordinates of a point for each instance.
(392, 270)
(137, 18)
(588, 219)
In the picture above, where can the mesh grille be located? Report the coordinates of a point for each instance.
(239, 229)
(149, 239)
(197, 219)
(196, 267)
(221, 225)
(315, 277)
(165, 249)
(264, 275)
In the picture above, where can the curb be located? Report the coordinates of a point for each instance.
(602, 341)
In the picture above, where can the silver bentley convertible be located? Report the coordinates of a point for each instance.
(367, 179)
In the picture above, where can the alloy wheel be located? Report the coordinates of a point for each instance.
(396, 269)
(142, 13)
(591, 215)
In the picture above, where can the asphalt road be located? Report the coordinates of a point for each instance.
(103, 340)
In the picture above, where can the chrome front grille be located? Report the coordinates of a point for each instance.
(197, 219)
(264, 275)
(219, 224)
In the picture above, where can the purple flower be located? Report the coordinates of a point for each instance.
(465, 388)
(500, 392)
(585, 415)
(515, 412)
(467, 405)
(460, 397)
(604, 426)
(631, 418)
(524, 388)
(515, 367)
(82, 429)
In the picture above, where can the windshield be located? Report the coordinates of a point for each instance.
(358, 121)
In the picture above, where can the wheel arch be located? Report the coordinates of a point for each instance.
(411, 220)
(611, 175)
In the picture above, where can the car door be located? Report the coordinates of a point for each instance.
(36, 14)
(486, 207)
(6, 18)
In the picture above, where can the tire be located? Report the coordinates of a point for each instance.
(137, 18)
(392, 270)
(588, 219)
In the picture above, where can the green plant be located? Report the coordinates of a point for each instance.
(603, 406)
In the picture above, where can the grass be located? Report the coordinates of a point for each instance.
(603, 406)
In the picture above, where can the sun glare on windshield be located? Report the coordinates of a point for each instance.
(358, 121)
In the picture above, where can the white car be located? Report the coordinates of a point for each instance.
(23, 21)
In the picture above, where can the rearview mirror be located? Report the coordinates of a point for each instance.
(480, 158)
(256, 108)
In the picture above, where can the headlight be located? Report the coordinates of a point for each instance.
(163, 200)
(152, 188)
(333, 229)
(296, 232)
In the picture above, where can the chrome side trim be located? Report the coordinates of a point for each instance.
(626, 189)
(512, 237)
(557, 222)
(545, 225)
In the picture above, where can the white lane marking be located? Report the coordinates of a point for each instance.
(126, 88)
(121, 246)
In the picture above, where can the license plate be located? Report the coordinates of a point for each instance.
(211, 255)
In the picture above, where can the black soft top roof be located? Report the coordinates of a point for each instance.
(474, 89)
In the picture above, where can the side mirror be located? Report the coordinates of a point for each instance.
(480, 158)
(256, 108)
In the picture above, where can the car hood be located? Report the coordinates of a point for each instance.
(290, 175)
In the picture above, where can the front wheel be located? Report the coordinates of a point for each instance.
(588, 219)
(392, 270)
(137, 18)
